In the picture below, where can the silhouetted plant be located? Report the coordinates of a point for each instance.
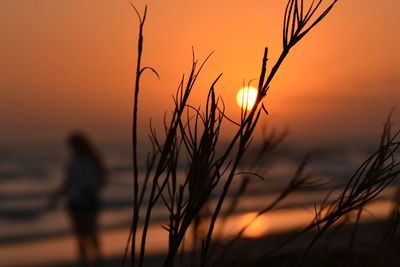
(300, 180)
(368, 181)
(194, 132)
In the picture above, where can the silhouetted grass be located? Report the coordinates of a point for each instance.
(368, 181)
(193, 133)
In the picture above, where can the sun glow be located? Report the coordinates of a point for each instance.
(256, 226)
(246, 97)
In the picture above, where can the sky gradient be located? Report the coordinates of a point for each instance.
(70, 65)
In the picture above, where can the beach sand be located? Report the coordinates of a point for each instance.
(61, 251)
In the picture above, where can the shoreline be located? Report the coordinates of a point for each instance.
(56, 250)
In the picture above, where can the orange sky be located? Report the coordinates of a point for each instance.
(70, 64)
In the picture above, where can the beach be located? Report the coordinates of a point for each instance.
(61, 250)
(33, 235)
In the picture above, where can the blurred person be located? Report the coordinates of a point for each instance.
(84, 177)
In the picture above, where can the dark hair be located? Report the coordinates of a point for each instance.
(81, 145)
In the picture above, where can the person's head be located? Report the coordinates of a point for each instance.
(80, 145)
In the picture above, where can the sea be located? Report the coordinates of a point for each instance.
(30, 174)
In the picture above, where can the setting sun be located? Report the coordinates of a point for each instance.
(246, 97)
(199, 133)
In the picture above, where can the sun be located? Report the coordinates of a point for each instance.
(246, 97)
